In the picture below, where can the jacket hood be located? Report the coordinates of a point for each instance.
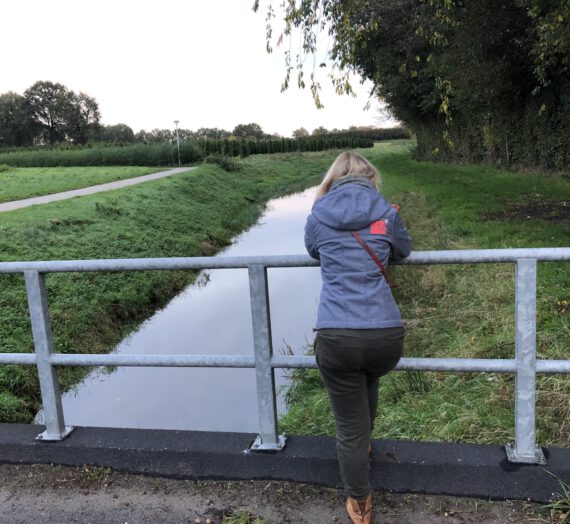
(350, 207)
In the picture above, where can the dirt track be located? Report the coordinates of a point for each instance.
(55, 494)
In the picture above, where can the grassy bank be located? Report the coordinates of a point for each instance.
(464, 311)
(191, 214)
(18, 183)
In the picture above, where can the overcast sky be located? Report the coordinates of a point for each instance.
(148, 63)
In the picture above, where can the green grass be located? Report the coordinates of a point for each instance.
(464, 311)
(242, 517)
(191, 214)
(25, 182)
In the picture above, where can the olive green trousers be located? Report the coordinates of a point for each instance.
(351, 361)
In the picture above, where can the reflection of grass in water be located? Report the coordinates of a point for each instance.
(460, 311)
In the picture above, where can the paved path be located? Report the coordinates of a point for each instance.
(18, 204)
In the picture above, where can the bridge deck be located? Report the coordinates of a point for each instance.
(397, 466)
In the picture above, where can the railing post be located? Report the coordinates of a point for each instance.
(268, 439)
(43, 342)
(525, 450)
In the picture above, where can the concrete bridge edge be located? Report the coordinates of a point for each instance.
(396, 466)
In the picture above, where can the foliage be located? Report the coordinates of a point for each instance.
(300, 133)
(248, 147)
(252, 130)
(226, 163)
(16, 125)
(164, 153)
(213, 133)
(476, 81)
(116, 134)
(61, 114)
(320, 131)
(12, 407)
(160, 154)
(560, 507)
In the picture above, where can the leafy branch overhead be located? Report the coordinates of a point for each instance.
(476, 81)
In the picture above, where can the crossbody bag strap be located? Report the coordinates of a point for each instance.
(366, 247)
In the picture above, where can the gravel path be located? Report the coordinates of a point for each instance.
(56, 494)
(18, 204)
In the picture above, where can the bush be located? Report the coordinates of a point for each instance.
(226, 163)
(164, 154)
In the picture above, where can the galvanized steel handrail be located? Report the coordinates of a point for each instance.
(524, 365)
(467, 256)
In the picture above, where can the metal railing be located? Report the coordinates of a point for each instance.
(524, 364)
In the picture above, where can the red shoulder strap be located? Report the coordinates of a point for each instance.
(366, 247)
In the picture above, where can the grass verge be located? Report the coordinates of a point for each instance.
(17, 183)
(464, 311)
(190, 214)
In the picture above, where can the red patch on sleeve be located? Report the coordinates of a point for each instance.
(378, 227)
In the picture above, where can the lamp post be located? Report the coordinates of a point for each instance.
(177, 141)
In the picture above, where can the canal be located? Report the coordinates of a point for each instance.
(211, 316)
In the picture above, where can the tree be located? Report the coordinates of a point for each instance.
(83, 118)
(117, 134)
(60, 113)
(248, 131)
(50, 106)
(16, 126)
(155, 136)
(299, 133)
(320, 131)
(485, 80)
(213, 133)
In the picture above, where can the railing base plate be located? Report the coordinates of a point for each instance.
(50, 437)
(538, 458)
(259, 447)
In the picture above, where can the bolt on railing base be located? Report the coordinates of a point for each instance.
(53, 437)
(538, 458)
(259, 447)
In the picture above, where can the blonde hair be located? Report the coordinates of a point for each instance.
(348, 164)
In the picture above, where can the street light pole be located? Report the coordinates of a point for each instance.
(177, 141)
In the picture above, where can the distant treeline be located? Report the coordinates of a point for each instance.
(49, 115)
(376, 134)
(166, 153)
(246, 147)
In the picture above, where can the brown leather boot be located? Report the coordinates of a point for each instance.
(360, 511)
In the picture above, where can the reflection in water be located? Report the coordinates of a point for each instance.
(208, 319)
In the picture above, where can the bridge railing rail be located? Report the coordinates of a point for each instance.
(524, 365)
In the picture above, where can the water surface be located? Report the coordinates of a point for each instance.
(209, 317)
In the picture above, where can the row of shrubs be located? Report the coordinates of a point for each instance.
(167, 154)
(245, 148)
(132, 155)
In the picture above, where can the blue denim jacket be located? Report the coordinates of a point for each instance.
(355, 294)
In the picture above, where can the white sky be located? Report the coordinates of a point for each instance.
(148, 63)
